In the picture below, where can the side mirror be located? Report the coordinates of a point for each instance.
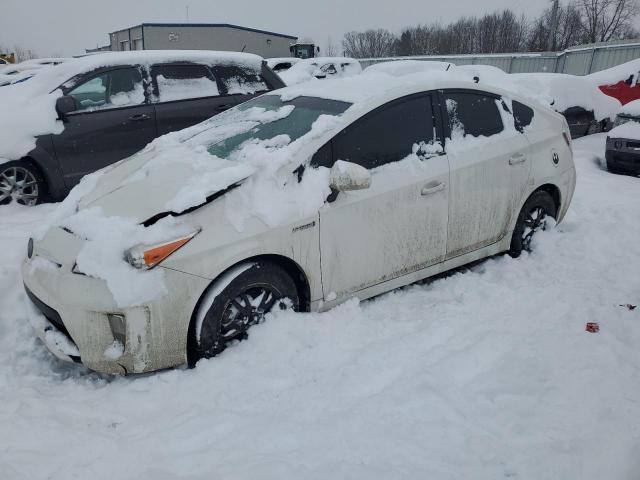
(346, 176)
(65, 105)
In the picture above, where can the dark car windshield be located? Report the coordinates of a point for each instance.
(269, 117)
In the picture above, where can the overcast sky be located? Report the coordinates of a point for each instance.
(67, 27)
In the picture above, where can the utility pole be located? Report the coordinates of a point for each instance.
(551, 45)
(187, 7)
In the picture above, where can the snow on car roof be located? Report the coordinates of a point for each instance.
(374, 87)
(616, 74)
(75, 66)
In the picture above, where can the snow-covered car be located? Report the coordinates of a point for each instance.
(406, 67)
(281, 64)
(303, 197)
(18, 73)
(620, 82)
(320, 68)
(585, 107)
(89, 112)
(623, 141)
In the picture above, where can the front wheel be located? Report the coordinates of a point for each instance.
(257, 289)
(533, 218)
(22, 183)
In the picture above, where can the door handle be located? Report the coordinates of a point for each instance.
(517, 158)
(140, 117)
(431, 189)
(222, 108)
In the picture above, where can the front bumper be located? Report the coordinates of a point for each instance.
(623, 154)
(78, 320)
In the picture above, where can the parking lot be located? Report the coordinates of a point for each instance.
(485, 373)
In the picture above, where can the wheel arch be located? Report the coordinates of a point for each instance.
(289, 265)
(552, 190)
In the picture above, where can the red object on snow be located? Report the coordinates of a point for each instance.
(622, 91)
(592, 327)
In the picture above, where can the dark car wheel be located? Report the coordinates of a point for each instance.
(22, 183)
(243, 303)
(533, 217)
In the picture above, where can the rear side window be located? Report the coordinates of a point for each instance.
(387, 134)
(473, 114)
(236, 80)
(522, 115)
(116, 88)
(181, 82)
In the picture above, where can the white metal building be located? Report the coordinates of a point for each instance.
(200, 36)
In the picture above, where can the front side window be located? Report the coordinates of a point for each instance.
(117, 88)
(388, 134)
(182, 82)
(239, 81)
(472, 114)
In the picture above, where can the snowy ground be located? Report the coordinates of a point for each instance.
(484, 374)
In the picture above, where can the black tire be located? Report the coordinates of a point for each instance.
(21, 182)
(229, 316)
(532, 218)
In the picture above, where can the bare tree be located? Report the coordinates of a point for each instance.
(606, 20)
(569, 30)
(370, 44)
(23, 54)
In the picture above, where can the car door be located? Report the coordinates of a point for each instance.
(186, 94)
(112, 121)
(399, 224)
(490, 167)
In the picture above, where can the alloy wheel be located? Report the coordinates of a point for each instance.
(18, 184)
(245, 310)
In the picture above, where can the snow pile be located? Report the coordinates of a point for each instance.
(486, 373)
(565, 91)
(631, 109)
(320, 67)
(616, 74)
(28, 111)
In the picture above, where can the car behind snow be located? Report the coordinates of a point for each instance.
(103, 108)
(303, 197)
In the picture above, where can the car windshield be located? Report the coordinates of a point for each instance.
(268, 117)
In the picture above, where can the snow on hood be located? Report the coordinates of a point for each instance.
(28, 108)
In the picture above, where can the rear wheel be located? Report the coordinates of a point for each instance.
(533, 218)
(21, 182)
(244, 302)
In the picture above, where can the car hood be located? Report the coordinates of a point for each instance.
(151, 183)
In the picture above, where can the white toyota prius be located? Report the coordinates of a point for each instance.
(301, 198)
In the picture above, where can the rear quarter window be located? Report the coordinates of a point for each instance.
(522, 115)
(474, 114)
(182, 82)
(236, 80)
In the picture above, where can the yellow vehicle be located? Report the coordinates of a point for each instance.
(7, 58)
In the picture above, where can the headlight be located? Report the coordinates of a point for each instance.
(148, 256)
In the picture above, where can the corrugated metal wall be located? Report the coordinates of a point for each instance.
(577, 61)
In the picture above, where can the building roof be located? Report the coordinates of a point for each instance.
(224, 25)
